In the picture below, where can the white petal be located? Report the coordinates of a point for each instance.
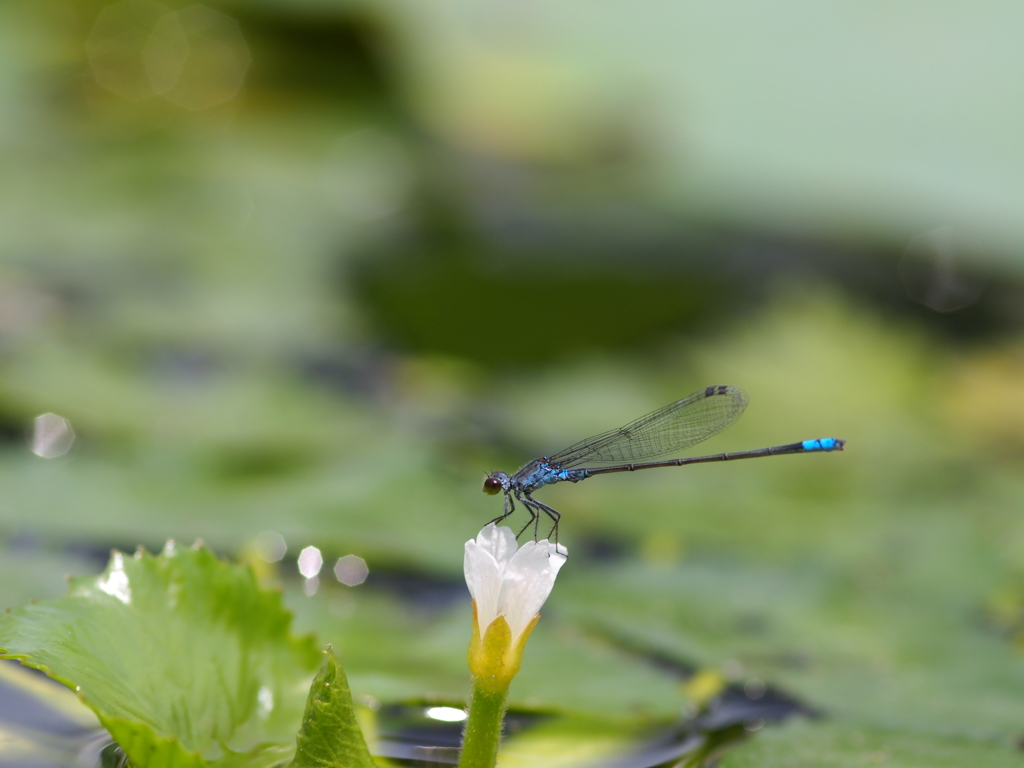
(559, 554)
(484, 579)
(500, 542)
(528, 582)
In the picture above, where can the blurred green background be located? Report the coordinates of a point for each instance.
(310, 269)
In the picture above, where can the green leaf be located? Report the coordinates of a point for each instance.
(183, 658)
(836, 744)
(330, 735)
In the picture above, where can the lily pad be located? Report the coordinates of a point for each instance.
(835, 744)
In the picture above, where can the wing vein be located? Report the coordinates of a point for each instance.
(674, 427)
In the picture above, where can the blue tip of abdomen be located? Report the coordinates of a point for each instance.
(824, 444)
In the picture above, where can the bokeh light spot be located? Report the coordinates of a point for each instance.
(118, 43)
(351, 570)
(310, 562)
(311, 586)
(271, 546)
(165, 53)
(195, 58)
(52, 436)
(217, 57)
(446, 714)
(754, 688)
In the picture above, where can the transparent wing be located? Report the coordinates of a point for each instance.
(673, 428)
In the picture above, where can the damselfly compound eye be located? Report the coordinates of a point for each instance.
(492, 486)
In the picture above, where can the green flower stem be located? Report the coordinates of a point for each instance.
(483, 727)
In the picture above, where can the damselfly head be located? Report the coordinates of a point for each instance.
(495, 483)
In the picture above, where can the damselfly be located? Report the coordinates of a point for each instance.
(673, 428)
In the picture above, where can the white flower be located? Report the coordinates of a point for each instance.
(510, 582)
